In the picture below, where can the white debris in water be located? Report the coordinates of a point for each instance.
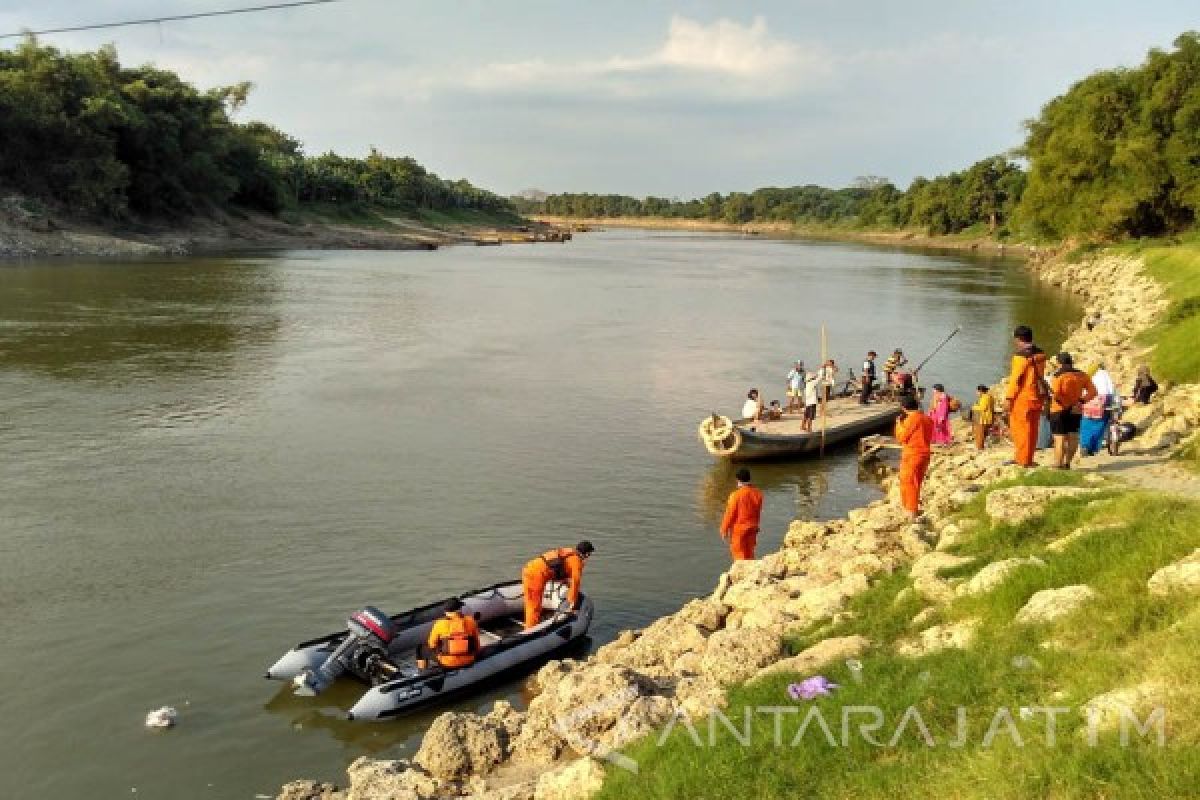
(161, 718)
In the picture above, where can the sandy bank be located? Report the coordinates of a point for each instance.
(25, 234)
(586, 710)
(909, 239)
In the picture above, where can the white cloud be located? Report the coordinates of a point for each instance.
(723, 58)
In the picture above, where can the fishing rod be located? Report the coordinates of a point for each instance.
(938, 349)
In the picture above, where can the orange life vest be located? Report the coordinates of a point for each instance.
(556, 562)
(458, 640)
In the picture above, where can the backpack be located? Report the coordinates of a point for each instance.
(1045, 396)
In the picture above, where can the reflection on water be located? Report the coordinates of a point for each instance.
(803, 483)
(209, 459)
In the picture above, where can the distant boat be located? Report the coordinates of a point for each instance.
(746, 440)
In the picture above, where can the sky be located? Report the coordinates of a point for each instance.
(674, 99)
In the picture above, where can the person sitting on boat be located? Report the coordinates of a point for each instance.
(894, 362)
(564, 565)
(795, 387)
(453, 641)
(752, 409)
(774, 411)
(739, 526)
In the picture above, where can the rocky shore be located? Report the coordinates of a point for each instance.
(685, 663)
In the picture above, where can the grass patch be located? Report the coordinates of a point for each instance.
(1176, 265)
(1189, 454)
(467, 216)
(1123, 638)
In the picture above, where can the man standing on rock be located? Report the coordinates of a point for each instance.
(740, 525)
(914, 431)
(1027, 395)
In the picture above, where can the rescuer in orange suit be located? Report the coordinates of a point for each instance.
(914, 431)
(453, 640)
(1026, 395)
(739, 527)
(564, 565)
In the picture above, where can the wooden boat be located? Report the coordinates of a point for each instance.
(745, 440)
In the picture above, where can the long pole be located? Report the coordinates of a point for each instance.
(938, 349)
(821, 388)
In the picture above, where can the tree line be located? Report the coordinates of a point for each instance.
(97, 138)
(1117, 155)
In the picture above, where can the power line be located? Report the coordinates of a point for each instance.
(176, 18)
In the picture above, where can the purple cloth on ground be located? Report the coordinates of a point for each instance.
(811, 688)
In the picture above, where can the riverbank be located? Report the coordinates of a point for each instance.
(28, 231)
(898, 238)
(902, 599)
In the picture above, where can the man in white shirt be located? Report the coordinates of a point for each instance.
(812, 389)
(795, 387)
(752, 409)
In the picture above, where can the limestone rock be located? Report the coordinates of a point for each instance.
(586, 708)
(932, 564)
(1049, 605)
(1063, 542)
(1182, 576)
(662, 643)
(923, 618)
(309, 790)
(819, 655)
(395, 780)
(1021, 503)
(1105, 710)
(802, 532)
(704, 613)
(956, 635)
(734, 656)
(995, 574)
(822, 603)
(698, 696)
(461, 744)
(578, 780)
(507, 721)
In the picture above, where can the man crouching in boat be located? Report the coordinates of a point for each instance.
(453, 640)
(564, 565)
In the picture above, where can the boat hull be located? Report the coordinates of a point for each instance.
(774, 440)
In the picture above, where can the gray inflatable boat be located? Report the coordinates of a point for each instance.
(380, 650)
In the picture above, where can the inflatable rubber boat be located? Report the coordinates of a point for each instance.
(380, 650)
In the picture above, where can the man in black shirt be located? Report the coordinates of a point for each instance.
(868, 378)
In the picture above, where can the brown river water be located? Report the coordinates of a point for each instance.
(205, 460)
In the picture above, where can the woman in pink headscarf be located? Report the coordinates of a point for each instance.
(939, 412)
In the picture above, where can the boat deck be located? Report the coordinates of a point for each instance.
(840, 413)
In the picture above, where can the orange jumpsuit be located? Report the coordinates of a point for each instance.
(914, 432)
(740, 524)
(1025, 404)
(538, 572)
(454, 639)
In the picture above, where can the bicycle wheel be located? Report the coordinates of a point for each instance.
(1112, 440)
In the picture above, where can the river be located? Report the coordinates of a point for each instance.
(208, 459)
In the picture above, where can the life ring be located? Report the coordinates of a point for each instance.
(719, 435)
(716, 428)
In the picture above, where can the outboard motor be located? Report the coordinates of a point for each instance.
(362, 652)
